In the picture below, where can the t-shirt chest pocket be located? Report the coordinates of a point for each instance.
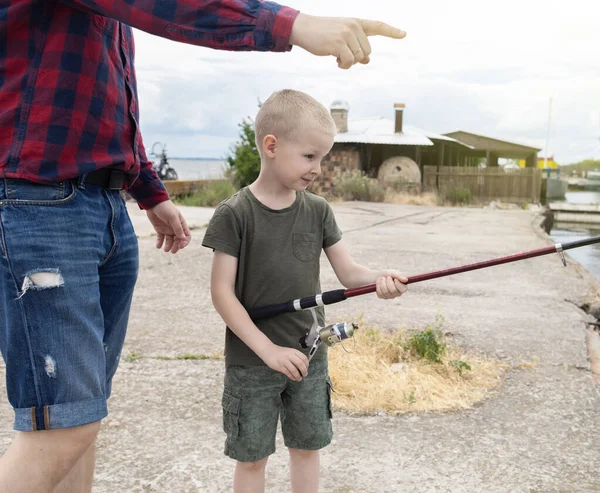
(305, 246)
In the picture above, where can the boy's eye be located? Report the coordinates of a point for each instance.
(309, 156)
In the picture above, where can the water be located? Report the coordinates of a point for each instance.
(582, 197)
(588, 256)
(199, 169)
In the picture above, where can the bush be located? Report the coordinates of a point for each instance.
(355, 185)
(244, 157)
(459, 195)
(427, 344)
(209, 196)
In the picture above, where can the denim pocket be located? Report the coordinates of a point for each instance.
(305, 246)
(2, 244)
(23, 192)
(231, 414)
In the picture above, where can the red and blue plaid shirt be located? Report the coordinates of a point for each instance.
(68, 96)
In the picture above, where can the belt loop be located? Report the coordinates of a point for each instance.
(81, 181)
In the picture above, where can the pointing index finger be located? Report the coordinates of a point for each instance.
(378, 28)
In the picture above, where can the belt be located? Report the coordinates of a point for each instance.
(110, 178)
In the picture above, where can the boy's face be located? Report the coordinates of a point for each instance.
(297, 159)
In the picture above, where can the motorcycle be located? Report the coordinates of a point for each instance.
(162, 167)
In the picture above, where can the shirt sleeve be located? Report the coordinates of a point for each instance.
(224, 232)
(221, 24)
(331, 232)
(148, 190)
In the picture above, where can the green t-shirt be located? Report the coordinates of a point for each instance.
(278, 255)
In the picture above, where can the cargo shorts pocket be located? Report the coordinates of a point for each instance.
(305, 246)
(329, 401)
(231, 414)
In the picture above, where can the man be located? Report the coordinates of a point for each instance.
(69, 142)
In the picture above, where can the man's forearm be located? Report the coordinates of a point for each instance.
(239, 25)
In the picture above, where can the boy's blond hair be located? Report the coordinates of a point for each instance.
(288, 111)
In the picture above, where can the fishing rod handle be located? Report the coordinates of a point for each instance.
(321, 299)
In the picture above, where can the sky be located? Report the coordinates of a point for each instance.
(490, 68)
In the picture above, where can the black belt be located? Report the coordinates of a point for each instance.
(110, 178)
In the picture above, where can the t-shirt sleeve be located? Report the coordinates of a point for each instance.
(224, 232)
(331, 232)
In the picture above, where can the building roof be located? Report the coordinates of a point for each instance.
(483, 143)
(380, 130)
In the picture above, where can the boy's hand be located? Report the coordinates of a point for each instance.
(291, 362)
(391, 285)
(171, 229)
(342, 37)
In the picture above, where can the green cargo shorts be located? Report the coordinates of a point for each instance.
(255, 396)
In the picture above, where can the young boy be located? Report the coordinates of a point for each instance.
(267, 240)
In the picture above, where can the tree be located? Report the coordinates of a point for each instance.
(243, 157)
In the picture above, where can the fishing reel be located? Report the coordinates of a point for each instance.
(330, 334)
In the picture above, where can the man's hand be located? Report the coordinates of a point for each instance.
(341, 37)
(291, 362)
(171, 229)
(391, 285)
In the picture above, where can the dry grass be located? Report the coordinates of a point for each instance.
(533, 363)
(428, 198)
(383, 375)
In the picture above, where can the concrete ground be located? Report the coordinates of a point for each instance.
(537, 433)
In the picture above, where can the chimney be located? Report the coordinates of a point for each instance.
(399, 111)
(339, 112)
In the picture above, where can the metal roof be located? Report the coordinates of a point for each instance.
(380, 130)
(479, 141)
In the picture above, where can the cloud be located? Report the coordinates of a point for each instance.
(489, 68)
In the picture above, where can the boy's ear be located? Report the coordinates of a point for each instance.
(269, 145)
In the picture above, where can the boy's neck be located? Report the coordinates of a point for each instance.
(272, 193)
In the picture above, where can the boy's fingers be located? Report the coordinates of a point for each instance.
(390, 285)
(399, 286)
(301, 365)
(382, 287)
(293, 371)
(378, 28)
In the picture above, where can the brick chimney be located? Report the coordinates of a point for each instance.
(339, 112)
(399, 107)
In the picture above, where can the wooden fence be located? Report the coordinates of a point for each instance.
(518, 185)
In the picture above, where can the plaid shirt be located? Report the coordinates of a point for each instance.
(68, 96)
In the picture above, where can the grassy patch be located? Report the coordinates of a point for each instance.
(458, 196)
(406, 371)
(209, 196)
(188, 356)
(355, 185)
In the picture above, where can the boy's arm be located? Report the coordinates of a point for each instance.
(288, 361)
(352, 275)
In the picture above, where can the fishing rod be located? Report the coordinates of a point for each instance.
(337, 295)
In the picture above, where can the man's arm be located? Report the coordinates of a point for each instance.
(352, 275)
(220, 24)
(247, 25)
(288, 361)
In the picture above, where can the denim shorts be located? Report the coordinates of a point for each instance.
(68, 266)
(255, 397)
